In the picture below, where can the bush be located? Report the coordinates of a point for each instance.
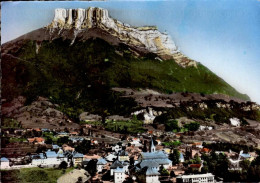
(63, 165)
(193, 126)
(171, 125)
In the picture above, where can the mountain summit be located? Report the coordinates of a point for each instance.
(80, 20)
(83, 24)
(82, 54)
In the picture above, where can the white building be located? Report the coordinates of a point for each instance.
(50, 158)
(117, 164)
(201, 128)
(136, 142)
(119, 175)
(111, 157)
(116, 148)
(235, 122)
(100, 164)
(123, 156)
(152, 175)
(198, 178)
(5, 163)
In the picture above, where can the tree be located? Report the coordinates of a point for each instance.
(41, 149)
(193, 126)
(71, 164)
(171, 125)
(63, 165)
(244, 164)
(172, 174)
(197, 159)
(62, 140)
(83, 147)
(145, 146)
(163, 171)
(132, 161)
(92, 167)
(204, 169)
(48, 140)
(175, 157)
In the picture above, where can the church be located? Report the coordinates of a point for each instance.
(153, 160)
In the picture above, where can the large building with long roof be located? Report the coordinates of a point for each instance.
(154, 159)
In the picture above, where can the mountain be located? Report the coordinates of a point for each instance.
(76, 60)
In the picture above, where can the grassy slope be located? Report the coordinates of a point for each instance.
(33, 175)
(64, 73)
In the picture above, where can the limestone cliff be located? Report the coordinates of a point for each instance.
(141, 38)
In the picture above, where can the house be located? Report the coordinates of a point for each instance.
(167, 150)
(119, 175)
(152, 175)
(158, 142)
(74, 133)
(123, 156)
(111, 157)
(195, 167)
(117, 164)
(201, 128)
(76, 139)
(181, 158)
(205, 150)
(55, 147)
(62, 134)
(136, 142)
(154, 159)
(36, 140)
(94, 156)
(116, 148)
(100, 164)
(198, 178)
(245, 156)
(37, 129)
(77, 158)
(50, 158)
(5, 163)
(45, 130)
(197, 144)
(19, 131)
(235, 122)
(94, 142)
(66, 147)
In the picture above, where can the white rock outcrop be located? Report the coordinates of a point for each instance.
(148, 38)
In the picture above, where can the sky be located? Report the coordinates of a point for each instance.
(223, 35)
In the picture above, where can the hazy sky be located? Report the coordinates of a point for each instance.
(224, 35)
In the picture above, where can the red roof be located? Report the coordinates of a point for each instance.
(39, 139)
(195, 165)
(205, 150)
(36, 139)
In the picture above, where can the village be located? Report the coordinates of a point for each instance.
(97, 155)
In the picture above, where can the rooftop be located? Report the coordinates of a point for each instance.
(101, 161)
(116, 164)
(4, 159)
(154, 155)
(152, 171)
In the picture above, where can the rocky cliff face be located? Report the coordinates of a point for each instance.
(141, 38)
